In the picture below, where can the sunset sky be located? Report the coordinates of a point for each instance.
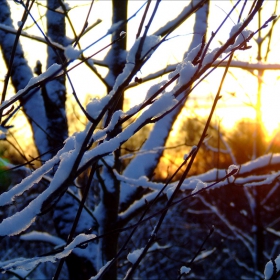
(240, 88)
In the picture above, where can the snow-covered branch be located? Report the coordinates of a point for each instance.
(29, 264)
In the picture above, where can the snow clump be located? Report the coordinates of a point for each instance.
(233, 169)
(150, 42)
(269, 267)
(184, 270)
(71, 54)
(95, 106)
(133, 257)
(199, 186)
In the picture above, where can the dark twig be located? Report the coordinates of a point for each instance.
(143, 19)
(157, 227)
(76, 220)
(10, 67)
(199, 250)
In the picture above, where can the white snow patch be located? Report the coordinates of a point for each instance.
(234, 29)
(184, 270)
(268, 271)
(169, 192)
(199, 186)
(35, 177)
(186, 73)
(233, 168)
(71, 53)
(90, 62)
(204, 254)
(138, 203)
(53, 69)
(150, 42)
(123, 34)
(99, 135)
(275, 232)
(115, 27)
(28, 264)
(187, 60)
(100, 271)
(194, 148)
(110, 159)
(243, 212)
(114, 120)
(42, 236)
(133, 257)
(156, 246)
(153, 89)
(210, 57)
(141, 181)
(60, 9)
(190, 153)
(23, 219)
(162, 104)
(95, 107)
(240, 38)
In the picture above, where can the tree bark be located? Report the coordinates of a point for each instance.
(55, 94)
(111, 188)
(21, 74)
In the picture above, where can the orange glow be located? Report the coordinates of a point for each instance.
(239, 90)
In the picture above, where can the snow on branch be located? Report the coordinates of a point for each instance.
(259, 180)
(96, 107)
(218, 63)
(40, 39)
(24, 218)
(52, 71)
(28, 264)
(149, 43)
(197, 182)
(184, 15)
(271, 268)
(160, 106)
(271, 161)
(142, 181)
(42, 236)
(12, 30)
(272, 231)
(248, 65)
(96, 277)
(130, 212)
(133, 256)
(143, 152)
(36, 176)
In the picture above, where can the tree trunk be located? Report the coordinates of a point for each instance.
(21, 73)
(111, 187)
(55, 94)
